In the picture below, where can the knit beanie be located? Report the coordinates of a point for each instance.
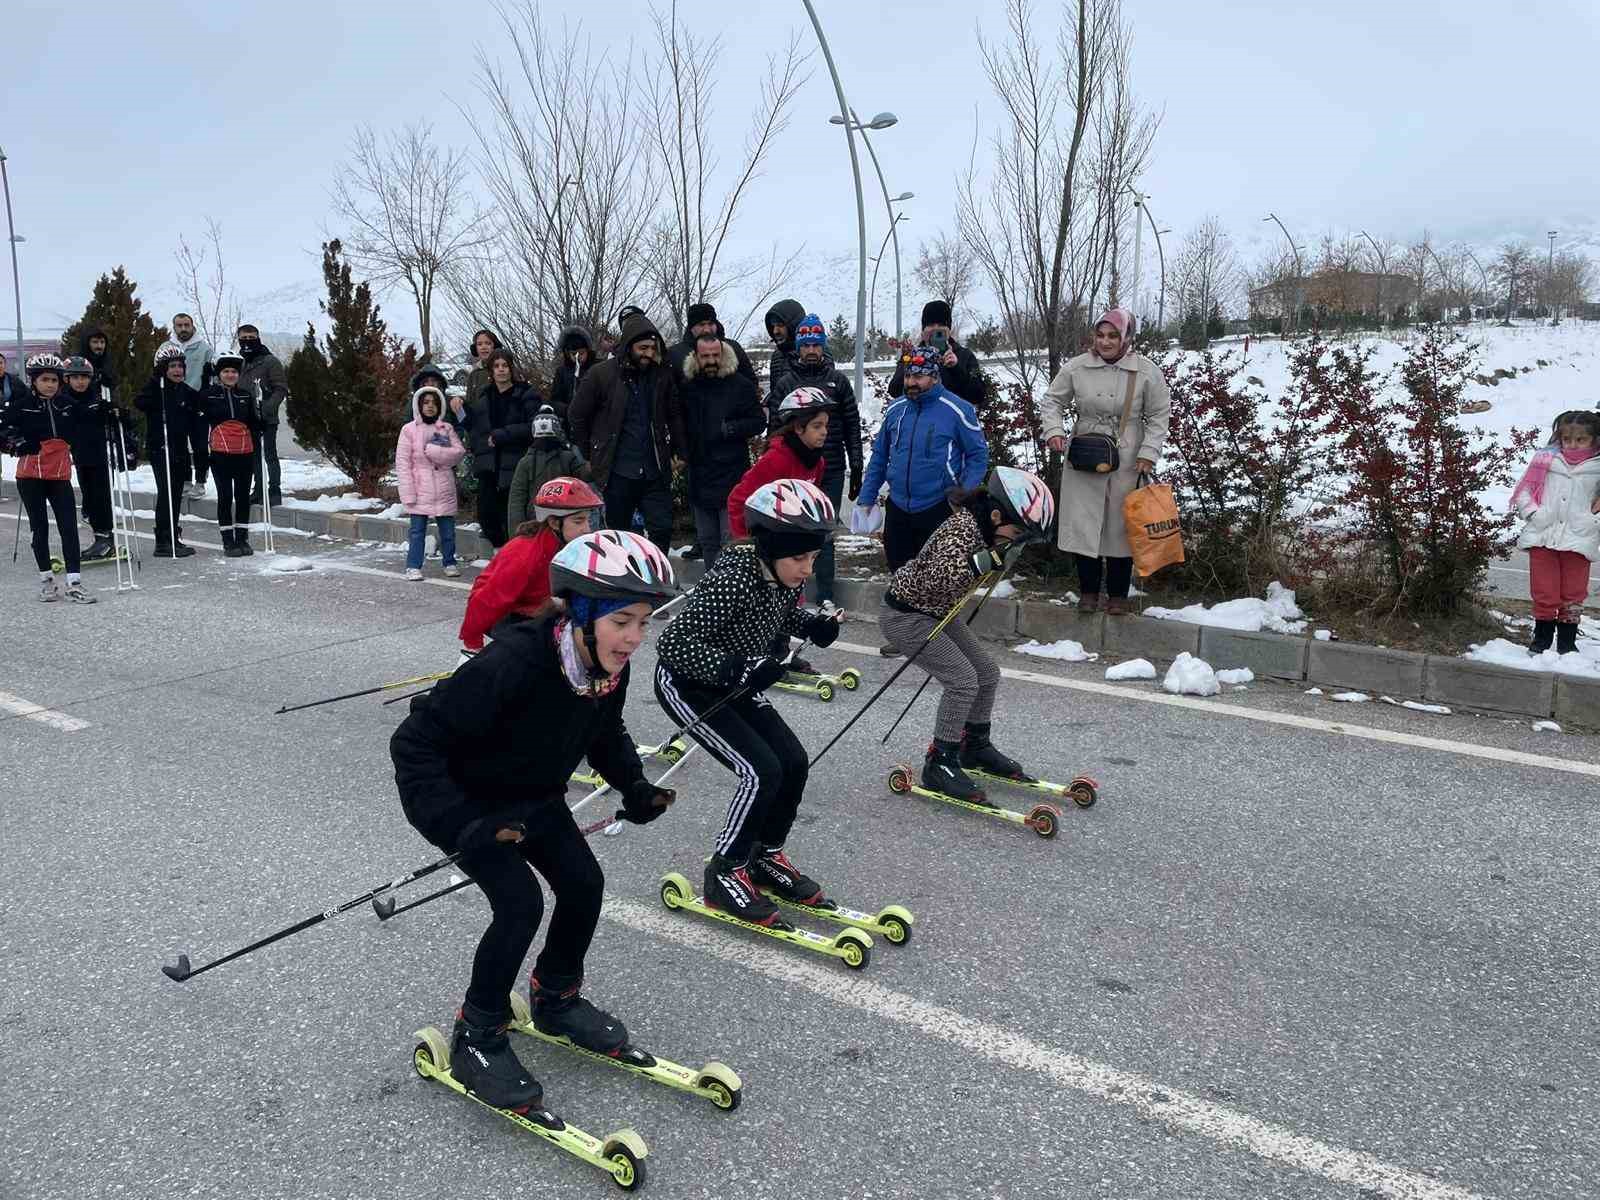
(773, 544)
(810, 331)
(924, 360)
(936, 312)
(700, 313)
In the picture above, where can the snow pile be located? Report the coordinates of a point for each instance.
(1001, 591)
(1546, 727)
(1063, 651)
(1417, 706)
(1314, 691)
(1238, 675)
(1350, 697)
(283, 564)
(1277, 613)
(1138, 668)
(348, 502)
(1502, 653)
(1191, 676)
(1070, 600)
(1323, 635)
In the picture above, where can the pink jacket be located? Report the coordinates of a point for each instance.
(424, 462)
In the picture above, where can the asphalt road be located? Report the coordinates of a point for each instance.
(1274, 960)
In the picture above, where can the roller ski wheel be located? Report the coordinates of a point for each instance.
(1082, 791)
(1043, 819)
(715, 1081)
(851, 946)
(820, 686)
(586, 779)
(893, 921)
(620, 1155)
(669, 752)
(850, 678)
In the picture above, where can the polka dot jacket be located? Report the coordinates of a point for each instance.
(733, 615)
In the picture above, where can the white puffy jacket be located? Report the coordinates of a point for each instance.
(1563, 521)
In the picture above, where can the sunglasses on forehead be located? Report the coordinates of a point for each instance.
(918, 360)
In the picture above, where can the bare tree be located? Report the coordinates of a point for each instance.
(407, 213)
(1514, 271)
(1071, 141)
(1204, 276)
(946, 268)
(1274, 286)
(1572, 279)
(687, 260)
(203, 281)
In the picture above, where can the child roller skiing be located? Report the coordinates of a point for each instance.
(721, 645)
(482, 763)
(1557, 499)
(984, 524)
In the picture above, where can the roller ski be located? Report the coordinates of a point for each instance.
(980, 760)
(485, 1070)
(781, 881)
(732, 897)
(669, 752)
(714, 1081)
(943, 779)
(92, 557)
(817, 683)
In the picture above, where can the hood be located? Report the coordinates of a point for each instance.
(635, 329)
(93, 331)
(790, 312)
(416, 402)
(576, 337)
(728, 364)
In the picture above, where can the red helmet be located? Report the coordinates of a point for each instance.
(563, 496)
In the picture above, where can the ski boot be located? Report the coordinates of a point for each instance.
(77, 595)
(101, 548)
(230, 541)
(562, 1012)
(50, 590)
(173, 550)
(730, 889)
(1566, 637)
(978, 752)
(941, 772)
(771, 871)
(483, 1062)
(241, 539)
(1544, 636)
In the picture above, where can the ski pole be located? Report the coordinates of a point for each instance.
(407, 696)
(127, 492)
(382, 687)
(971, 616)
(267, 542)
(182, 971)
(900, 670)
(166, 458)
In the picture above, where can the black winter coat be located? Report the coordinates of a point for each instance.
(221, 403)
(96, 419)
(682, 354)
(503, 734)
(720, 415)
(28, 419)
(843, 447)
(508, 417)
(966, 379)
(602, 399)
(565, 385)
(166, 404)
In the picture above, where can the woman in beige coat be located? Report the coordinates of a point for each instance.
(1091, 525)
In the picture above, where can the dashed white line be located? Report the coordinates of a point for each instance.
(19, 707)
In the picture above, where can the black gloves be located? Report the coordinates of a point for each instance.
(643, 802)
(822, 630)
(758, 674)
(854, 490)
(480, 833)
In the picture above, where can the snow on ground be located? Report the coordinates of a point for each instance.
(1278, 612)
(1236, 675)
(1134, 668)
(1065, 650)
(1323, 635)
(1001, 591)
(284, 564)
(1503, 653)
(1546, 727)
(1191, 676)
(347, 502)
(1350, 697)
(1416, 706)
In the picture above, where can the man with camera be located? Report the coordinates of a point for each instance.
(958, 367)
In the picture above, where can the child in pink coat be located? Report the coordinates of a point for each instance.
(424, 466)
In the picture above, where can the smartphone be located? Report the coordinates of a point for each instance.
(939, 340)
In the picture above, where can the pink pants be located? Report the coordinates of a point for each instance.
(1558, 580)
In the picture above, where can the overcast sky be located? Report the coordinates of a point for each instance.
(126, 126)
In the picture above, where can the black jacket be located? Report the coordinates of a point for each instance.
(843, 448)
(95, 419)
(602, 399)
(102, 375)
(732, 615)
(565, 385)
(503, 734)
(29, 419)
(508, 416)
(167, 404)
(966, 379)
(791, 313)
(720, 415)
(221, 403)
(682, 354)
(262, 366)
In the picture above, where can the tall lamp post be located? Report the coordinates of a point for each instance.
(872, 291)
(11, 235)
(882, 121)
(1488, 297)
(1299, 271)
(1383, 269)
(1550, 279)
(861, 206)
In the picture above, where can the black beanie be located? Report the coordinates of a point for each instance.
(773, 544)
(936, 312)
(699, 313)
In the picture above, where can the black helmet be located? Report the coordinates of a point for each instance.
(76, 364)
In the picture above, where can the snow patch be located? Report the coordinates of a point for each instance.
(1417, 706)
(348, 502)
(283, 564)
(1000, 591)
(1065, 650)
(1191, 676)
(1546, 727)
(1502, 653)
(1323, 635)
(1350, 697)
(1313, 691)
(1236, 675)
(1277, 613)
(1134, 668)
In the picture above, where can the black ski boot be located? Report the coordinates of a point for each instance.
(483, 1062)
(562, 1012)
(730, 889)
(979, 752)
(1544, 636)
(1566, 637)
(770, 868)
(100, 549)
(941, 772)
(241, 539)
(230, 539)
(179, 550)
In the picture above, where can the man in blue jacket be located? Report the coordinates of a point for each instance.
(929, 440)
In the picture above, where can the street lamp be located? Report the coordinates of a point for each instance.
(1383, 269)
(872, 320)
(1488, 299)
(1550, 279)
(1299, 271)
(882, 121)
(11, 234)
(861, 206)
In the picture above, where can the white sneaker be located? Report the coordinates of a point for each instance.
(829, 609)
(49, 591)
(452, 572)
(414, 574)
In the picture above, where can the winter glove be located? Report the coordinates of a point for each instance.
(484, 833)
(756, 674)
(822, 630)
(854, 489)
(643, 802)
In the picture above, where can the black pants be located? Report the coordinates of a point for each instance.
(56, 494)
(199, 453)
(905, 532)
(554, 847)
(492, 501)
(94, 481)
(234, 474)
(1118, 575)
(653, 497)
(165, 500)
(749, 738)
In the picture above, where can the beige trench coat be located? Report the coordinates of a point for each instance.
(1091, 505)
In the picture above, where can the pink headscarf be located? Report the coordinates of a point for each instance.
(1122, 320)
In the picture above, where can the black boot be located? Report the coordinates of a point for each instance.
(230, 542)
(101, 548)
(483, 1062)
(562, 1012)
(1566, 637)
(241, 539)
(770, 868)
(978, 752)
(730, 889)
(1544, 634)
(941, 772)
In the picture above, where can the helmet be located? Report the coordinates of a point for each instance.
(790, 506)
(545, 423)
(229, 358)
(41, 364)
(563, 495)
(170, 354)
(1024, 499)
(612, 564)
(76, 365)
(803, 402)
(426, 372)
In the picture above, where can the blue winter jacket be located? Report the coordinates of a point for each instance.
(924, 446)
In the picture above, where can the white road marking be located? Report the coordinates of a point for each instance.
(17, 706)
(1178, 1110)
(1467, 749)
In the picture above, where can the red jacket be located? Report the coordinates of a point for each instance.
(517, 580)
(779, 462)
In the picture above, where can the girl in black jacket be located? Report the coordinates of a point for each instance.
(499, 431)
(482, 763)
(231, 421)
(38, 426)
(169, 406)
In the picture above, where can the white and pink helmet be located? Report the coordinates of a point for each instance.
(790, 506)
(1024, 499)
(612, 564)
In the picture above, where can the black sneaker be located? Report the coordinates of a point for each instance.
(730, 889)
(978, 752)
(101, 548)
(483, 1062)
(564, 1013)
(230, 541)
(770, 868)
(941, 772)
(1566, 637)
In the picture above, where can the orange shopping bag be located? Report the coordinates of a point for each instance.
(1151, 516)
